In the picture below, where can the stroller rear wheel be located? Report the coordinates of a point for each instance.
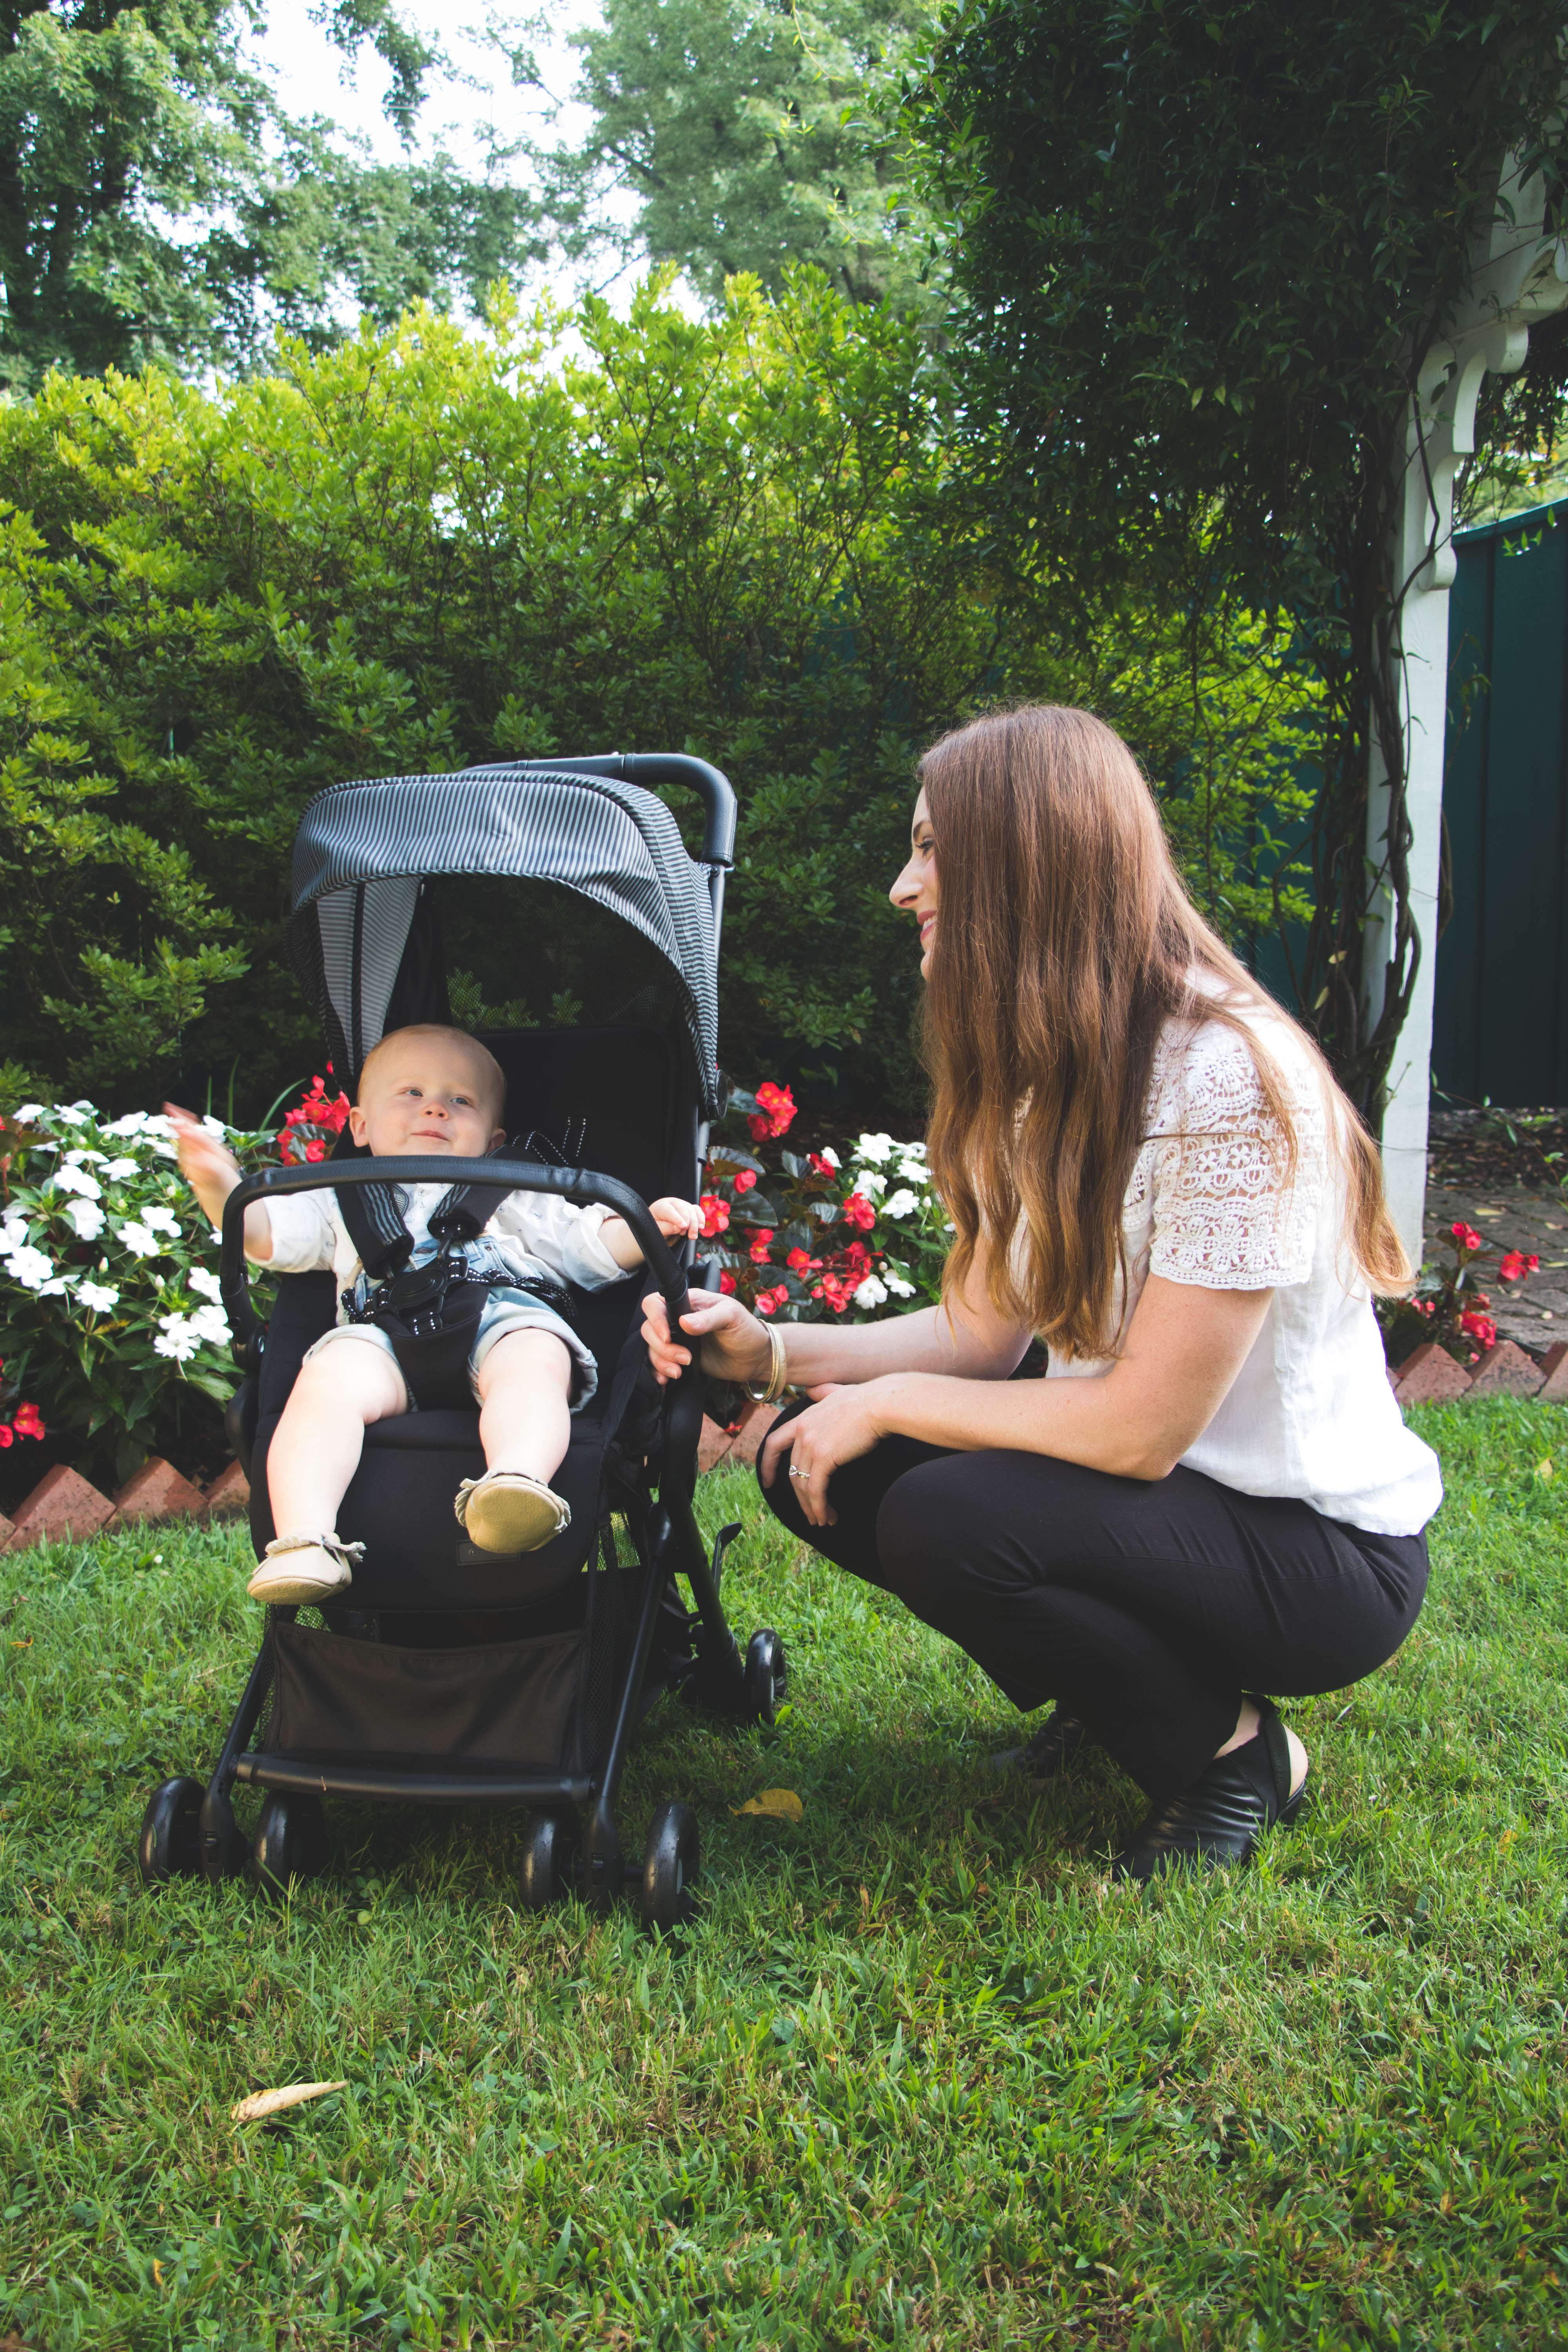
(170, 1846)
(667, 1901)
(549, 1850)
(290, 1843)
(766, 1675)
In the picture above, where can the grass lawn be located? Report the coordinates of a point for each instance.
(918, 2075)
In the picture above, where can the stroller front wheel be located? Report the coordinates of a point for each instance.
(667, 1901)
(766, 1675)
(170, 1846)
(549, 1849)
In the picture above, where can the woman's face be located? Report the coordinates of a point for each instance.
(914, 892)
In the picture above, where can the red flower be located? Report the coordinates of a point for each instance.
(24, 1421)
(778, 1103)
(759, 1240)
(859, 1256)
(798, 1261)
(315, 1149)
(819, 1165)
(5, 1432)
(1465, 1236)
(1480, 1327)
(715, 1215)
(745, 1180)
(1516, 1265)
(768, 1302)
(837, 1292)
(727, 1283)
(858, 1212)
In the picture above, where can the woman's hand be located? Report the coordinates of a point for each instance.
(841, 1424)
(733, 1345)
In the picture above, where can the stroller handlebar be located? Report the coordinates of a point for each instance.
(580, 1185)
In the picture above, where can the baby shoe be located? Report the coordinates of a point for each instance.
(302, 1566)
(506, 1510)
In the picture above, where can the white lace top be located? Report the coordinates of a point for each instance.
(1310, 1414)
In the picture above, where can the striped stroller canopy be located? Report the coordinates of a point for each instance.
(363, 850)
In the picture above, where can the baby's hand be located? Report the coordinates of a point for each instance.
(207, 1165)
(677, 1221)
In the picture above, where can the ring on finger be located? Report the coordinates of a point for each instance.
(798, 1473)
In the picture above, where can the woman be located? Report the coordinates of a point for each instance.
(1212, 1493)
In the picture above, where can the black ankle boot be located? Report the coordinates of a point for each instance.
(1216, 1821)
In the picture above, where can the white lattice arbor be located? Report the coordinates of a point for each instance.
(1521, 275)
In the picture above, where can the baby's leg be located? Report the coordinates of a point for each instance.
(317, 1446)
(525, 1396)
(525, 1392)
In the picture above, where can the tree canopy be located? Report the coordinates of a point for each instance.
(1208, 245)
(748, 133)
(155, 204)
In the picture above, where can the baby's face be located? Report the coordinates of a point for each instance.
(427, 1094)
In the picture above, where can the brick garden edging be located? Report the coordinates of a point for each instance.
(63, 1504)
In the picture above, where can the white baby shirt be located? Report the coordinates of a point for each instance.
(532, 1233)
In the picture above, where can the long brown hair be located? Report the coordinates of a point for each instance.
(1064, 943)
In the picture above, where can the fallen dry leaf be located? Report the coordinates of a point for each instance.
(272, 2102)
(778, 1804)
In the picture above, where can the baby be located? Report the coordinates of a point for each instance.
(438, 1093)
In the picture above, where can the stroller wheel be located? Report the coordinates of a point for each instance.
(290, 1843)
(667, 1902)
(549, 1849)
(170, 1846)
(766, 1675)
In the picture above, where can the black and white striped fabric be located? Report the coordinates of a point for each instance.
(363, 849)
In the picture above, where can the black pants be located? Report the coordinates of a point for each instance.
(1147, 1610)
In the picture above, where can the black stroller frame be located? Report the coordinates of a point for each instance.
(562, 1628)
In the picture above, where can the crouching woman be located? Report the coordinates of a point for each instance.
(1211, 1501)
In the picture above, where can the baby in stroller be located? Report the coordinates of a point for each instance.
(435, 1091)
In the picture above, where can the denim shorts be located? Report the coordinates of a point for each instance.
(505, 1309)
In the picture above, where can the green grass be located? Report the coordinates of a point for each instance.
(919, 2076)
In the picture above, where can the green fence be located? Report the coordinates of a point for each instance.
(1500, 1018)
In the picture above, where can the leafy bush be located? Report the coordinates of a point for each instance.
(109, 1312)
(1448, 1304)
(744, 537)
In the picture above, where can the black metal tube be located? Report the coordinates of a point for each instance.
(694, 1567)
(580, 1185)
(287, 1772)
(631, 1689)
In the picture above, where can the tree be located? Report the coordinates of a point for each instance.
(143, 217)
(1211, 245)
(749, 134)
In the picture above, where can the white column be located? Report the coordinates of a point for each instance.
(1521, 275)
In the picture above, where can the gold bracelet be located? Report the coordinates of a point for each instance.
(778, 1371)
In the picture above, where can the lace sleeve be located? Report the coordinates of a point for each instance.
(1222, 1214)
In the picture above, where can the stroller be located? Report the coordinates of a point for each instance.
(451, 1676)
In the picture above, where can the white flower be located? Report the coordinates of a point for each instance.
(97, 1297)
(207, 1283)
(913, 1171)
(211, 1324)
(214, 1126)
(876, 1147)
(13, 1229)
(828, 1153)
(898, 1286)
(67, 1179)
(868, 1183)
(34, 1271)
(132, 1123)
(871, 1293)
(75, 1113)
(160, 1221)
(901, 1204)
(139, 1242)
(30, 1111)
(86, 1217)
(79, 1154)
(113, 1170)
(181, 1338)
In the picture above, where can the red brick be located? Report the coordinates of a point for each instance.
(8, 1530)
(756, 1420)
(156, 1491)
(229, 1492)
(712, 1447)
(1431, 1376)
(1506, 1370)
(1556, 1368)
(1392, 1371)
(60, 1505)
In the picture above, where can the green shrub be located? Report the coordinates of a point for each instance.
(744, 537)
